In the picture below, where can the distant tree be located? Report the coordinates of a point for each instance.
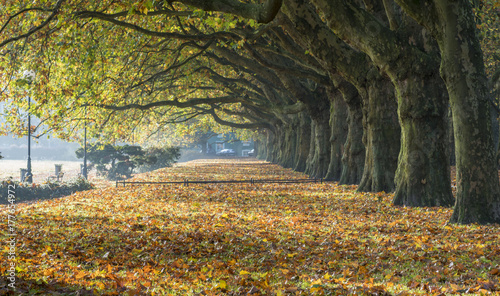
(112, 161)
(1, 155)
(116, 162)
(157, 158)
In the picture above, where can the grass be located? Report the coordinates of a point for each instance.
(264, 239)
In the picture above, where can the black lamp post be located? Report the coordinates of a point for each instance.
(29, 175)
(84, 173)
(29, 76)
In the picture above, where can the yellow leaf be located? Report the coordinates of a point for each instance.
(317, 282)
(316, 289)
(243, 272)
(222, 285)
(327, 276)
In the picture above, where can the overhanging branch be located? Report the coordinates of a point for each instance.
(33, 30)
(174, 103)
(198, 37)
(262, 13)
(250, 125)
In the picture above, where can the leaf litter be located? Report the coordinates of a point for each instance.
(245, 239)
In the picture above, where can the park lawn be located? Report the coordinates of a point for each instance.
(239, 239)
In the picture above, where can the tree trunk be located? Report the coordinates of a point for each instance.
(303, 142)
(319, 156)
(317, 164)
(462, 68)
(270, 146)
(450, 144)
(381, 137)
(354, 150)
(423, 175)
(319, 152)
(338, 137)
(288, 146)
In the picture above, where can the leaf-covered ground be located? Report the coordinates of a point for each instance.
(242, 239)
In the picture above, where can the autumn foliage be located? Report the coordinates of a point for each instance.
(245, 239)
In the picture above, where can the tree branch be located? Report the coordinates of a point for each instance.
(199, 37)
(175, 103)
(33, 30)
(262, 13)
(254, 125)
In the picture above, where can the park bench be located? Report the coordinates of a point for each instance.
(57, 177)
(58, 174)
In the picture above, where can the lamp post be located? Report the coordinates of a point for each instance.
(29, 175)
(29, 76)
(84, 173)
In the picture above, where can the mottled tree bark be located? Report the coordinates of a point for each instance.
(342, 60)
(462, 68)
(319, 156)
(303, 142)
(381, 137)
(478, 192)
(450, 144)
(287, 151)
(319, 153)
(423, 176)
(338, 137)
(353, 159)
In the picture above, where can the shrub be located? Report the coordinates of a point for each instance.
(116, 162)
(48, 190)
(112, 161)
(157, 158)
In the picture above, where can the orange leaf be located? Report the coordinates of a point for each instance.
(80, 275)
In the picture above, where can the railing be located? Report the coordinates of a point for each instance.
(186, 182)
